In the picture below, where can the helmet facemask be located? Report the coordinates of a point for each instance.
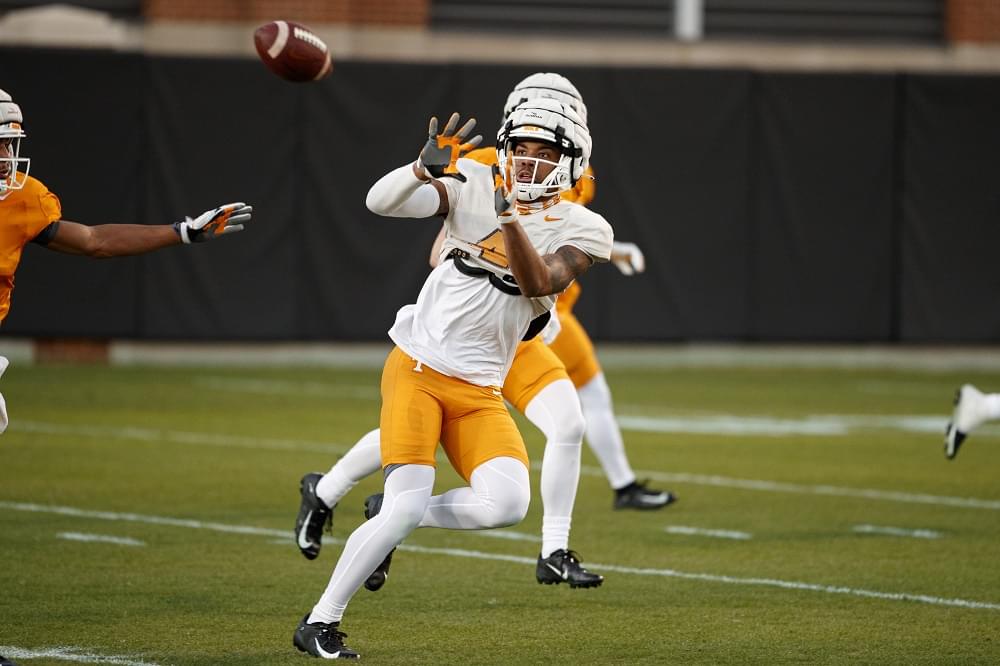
(11, 134)
(556, 181)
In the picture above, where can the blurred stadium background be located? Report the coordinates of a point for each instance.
(818, 171)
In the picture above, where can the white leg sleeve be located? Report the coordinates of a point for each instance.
(363, 459)
(407, 490)
(603, 434)
(991, 407)
(3, 403)
(556, 412)
(498, 497)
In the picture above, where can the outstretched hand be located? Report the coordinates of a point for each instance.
(628, 258)
(227, 219)
(504, 194)
(442, 150)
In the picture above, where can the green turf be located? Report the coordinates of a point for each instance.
(228, 446)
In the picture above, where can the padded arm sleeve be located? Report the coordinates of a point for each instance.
(400, 193)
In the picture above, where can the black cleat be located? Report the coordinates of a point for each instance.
(373, 504)
(563, 566)
(325, 641)
(313, 514)
(4, 661)
(637, 496)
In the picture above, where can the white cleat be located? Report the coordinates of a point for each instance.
(969, 414)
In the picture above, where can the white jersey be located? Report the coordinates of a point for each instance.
(462, 325)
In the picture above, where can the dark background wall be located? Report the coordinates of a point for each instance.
(770, 206)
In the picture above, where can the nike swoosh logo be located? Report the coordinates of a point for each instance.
(323, 653)
(303, 541)
(551, 219)
(559, 572)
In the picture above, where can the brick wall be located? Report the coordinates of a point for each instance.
(973, 20)
(385, 12)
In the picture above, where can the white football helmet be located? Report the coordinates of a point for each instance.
(545, 119)
(550, 85)
(11, 134)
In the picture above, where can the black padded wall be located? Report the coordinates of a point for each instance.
(770, 206)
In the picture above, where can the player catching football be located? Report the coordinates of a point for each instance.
(33, 214)
(542, 388)
(504, 264)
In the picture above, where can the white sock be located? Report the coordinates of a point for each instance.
(407, 490)
(362, 459)
(498, 496)
(603, 434)
(556, 412)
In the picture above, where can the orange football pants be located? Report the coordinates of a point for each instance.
(575, 349)
(421, 407)
(535, 366)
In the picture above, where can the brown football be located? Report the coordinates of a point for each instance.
(292, 51)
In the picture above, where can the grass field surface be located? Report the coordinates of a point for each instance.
(146, 518)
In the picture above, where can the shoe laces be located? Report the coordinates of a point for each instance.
(572, 556)
(332, 636)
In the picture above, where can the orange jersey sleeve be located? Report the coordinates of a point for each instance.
(486, 155)
(584, 190)
(568, 298)
(24, 213)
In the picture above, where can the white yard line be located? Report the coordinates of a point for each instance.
(281, 387)
(476, 554)
(67, 653)
(99, 538)
(700, 531)
(802, 489)
(897, 531)
(237, 441)
(143, 518)
(177, 437)
(822, 425)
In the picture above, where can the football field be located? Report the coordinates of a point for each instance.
(146, 518)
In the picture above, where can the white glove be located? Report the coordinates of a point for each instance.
(227, 219)
(3, 403)
(627, 257)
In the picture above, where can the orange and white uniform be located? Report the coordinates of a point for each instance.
(467, 331)
(571, 355)
(27, 214)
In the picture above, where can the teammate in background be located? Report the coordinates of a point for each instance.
(572, 345)
(503, 267)
(30, 213)
(972, 409)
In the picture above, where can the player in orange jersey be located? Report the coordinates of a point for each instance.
(30, 213)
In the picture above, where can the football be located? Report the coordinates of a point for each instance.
(292, 51)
